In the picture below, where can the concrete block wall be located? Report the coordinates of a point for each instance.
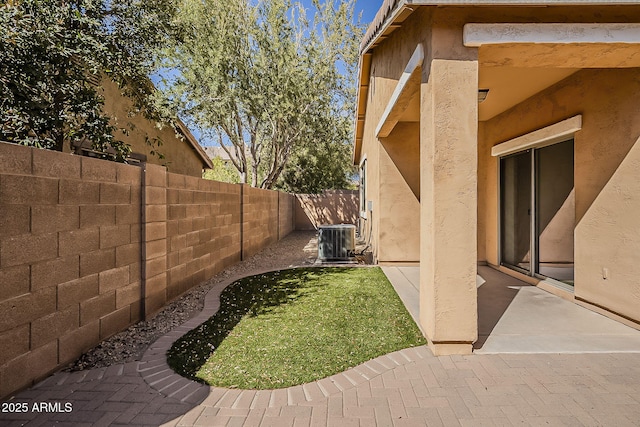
(286, 215)
(203, 230)
(155, 241)
(69, 263)
(329, 207)
(259, 219)
(88, 247)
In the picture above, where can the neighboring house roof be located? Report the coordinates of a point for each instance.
(222, 154)
(213, 152)
(206, 160)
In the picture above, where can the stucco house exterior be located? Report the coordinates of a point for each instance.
(503, 133)
(181, 150)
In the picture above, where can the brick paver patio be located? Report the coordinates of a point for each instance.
(407, 388)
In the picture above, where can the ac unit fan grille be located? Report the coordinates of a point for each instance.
(336, 242)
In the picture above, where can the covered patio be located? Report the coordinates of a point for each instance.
(516, 317)
(506, 137)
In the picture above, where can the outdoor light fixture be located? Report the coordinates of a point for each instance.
(482, 94)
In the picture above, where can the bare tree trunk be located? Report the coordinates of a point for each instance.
(254, 174)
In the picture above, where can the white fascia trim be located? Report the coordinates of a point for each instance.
(476, 35)
(540, 138)
(416, 61)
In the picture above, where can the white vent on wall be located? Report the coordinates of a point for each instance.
(336, 242)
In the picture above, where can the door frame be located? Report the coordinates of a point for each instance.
(550, 135)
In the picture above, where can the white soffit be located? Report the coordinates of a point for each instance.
(476, 35)
(540, 138)
(414, 63)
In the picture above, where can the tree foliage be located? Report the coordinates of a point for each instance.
(323, 165)
(222, 172)
(53, 54)
(264, 81)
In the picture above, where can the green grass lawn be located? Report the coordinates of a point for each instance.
(295, 326)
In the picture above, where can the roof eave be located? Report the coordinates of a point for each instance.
(194, 144)
(398, 11)
(391, 10)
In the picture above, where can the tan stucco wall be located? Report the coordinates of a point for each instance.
(444, 26)
(180, 156)
(448, 299)
(402, 147)
(400, 194)
(389, 222)
(447, 188)
(393, 164)
(453, 140)
(487, 200)
(608, 236)
(566, 57)
(606, 179)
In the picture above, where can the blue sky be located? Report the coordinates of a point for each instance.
(369, 9)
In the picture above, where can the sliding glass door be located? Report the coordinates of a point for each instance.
(515, 210)
(537, 211)
(555, 211)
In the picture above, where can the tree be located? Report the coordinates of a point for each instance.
(53, 55)
(324, 165)
(221, 171)
(262, 80)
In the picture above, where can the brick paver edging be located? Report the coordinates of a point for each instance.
(156, 372)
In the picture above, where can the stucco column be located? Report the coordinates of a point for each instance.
(448, 219)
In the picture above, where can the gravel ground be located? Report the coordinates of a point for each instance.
(298, 248)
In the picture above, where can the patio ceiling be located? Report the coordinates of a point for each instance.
(515, 72)
(509, 86)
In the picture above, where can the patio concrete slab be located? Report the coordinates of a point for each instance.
(536, 321)
(515, 317)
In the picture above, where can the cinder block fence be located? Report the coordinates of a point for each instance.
(89, 247)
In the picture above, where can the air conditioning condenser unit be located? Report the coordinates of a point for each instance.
(336, 242)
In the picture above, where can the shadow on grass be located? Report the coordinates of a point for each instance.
(253, 296)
